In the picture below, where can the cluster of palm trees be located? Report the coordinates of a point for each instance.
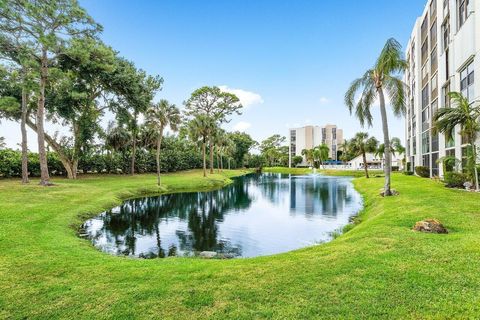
(317, 156)
(163, 115)
(362, 144)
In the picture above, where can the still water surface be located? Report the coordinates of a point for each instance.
(257, 215)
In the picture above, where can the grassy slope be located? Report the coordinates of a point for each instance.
(380, 269)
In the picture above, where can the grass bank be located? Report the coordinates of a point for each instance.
(380, 269)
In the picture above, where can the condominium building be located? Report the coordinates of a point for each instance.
(444, 56)
(310, 137)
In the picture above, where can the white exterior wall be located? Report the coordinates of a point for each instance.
(463, 47)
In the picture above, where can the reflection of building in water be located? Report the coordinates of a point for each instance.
(318, 196)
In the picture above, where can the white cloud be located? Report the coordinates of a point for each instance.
(242, 126)
(324, 100)
(247, 98)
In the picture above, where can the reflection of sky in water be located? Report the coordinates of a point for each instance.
(256, 215)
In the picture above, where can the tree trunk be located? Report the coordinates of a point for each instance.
(134, 151)
(229, 163)
(44, 176)
(386, 141)
(204, 158)
(221, 162)
(159, 145)
(475, 170)
(211, 154)
(218, 161)
(24, 136)
(69, 165)
(364, 156)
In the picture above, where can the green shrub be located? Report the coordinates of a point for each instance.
(423, 172)
(455, 179)
(408, 173)
(395, 168)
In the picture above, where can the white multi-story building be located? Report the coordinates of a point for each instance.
(310, 137)
(444, 56)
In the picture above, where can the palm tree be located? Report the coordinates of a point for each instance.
(383, 78)
(309, 157)
(199, 129)
(3, 145)
(323, 153)
(466, 115)
(159, 116)
(362, 144)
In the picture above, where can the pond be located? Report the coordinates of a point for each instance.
(257, 215)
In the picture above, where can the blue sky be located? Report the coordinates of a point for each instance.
(292, 60)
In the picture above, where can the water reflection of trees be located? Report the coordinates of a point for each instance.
(308, 195)
(124, 225)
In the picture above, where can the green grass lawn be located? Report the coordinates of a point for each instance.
(379, 269)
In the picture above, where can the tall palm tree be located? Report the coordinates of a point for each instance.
(466, 115)
(323, 153)
(159, 116)
(362, 144)
(383, 78)
(199, 129)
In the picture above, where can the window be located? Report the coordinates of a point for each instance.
(435, 143)
(434, 107)
(433, 35)
(334, 133)
(464, 7)
(467, 77)
(426, 160)
(446, 98)
(435, 164)
(446, 34)
(433, 60)
(434, 86)
(447, 65)
(425, 97)
(426, 142)
(424, 52)
(433, 8)
(424, 29)
(425, 119)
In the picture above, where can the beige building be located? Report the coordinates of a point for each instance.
(309, 137)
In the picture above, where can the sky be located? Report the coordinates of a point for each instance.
(290, 62)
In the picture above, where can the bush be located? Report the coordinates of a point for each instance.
(455, 179)
(423, 172)
(408, 173)
(395, 168)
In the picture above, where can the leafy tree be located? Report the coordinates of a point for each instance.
(3, 145)
(347, 152)
(82, 77)
(270, 148)
(362, 144)
(159, 116)
(213, 103)
(297, 160)
(242, 144)
(43, 28)
(137, 90)
(383, 78)
(466, 115)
